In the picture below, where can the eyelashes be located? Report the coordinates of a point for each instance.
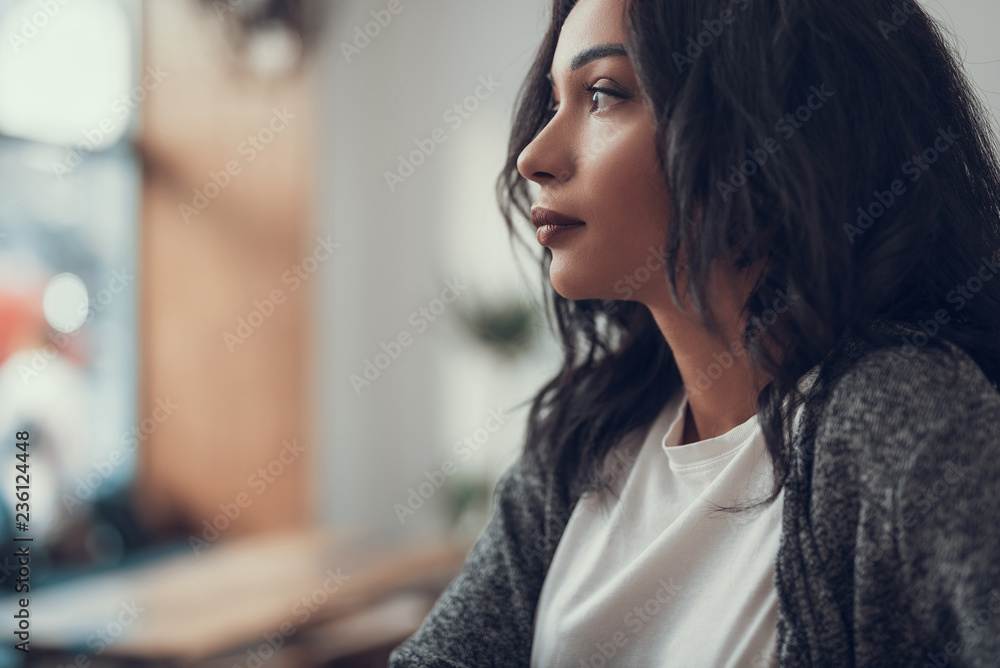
(595, 92)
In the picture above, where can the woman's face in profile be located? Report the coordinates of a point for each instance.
(595, 161)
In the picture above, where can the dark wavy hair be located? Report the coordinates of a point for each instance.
(718, 90)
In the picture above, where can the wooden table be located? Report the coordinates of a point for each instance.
(314, 594)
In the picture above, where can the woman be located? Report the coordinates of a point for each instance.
(771, 230)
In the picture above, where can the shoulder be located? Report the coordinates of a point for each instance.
(915, 434)
(535, 500)
(908, 393)
(490, 605)
(911, 422)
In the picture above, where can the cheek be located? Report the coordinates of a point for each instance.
(634, 206)
(628, 187)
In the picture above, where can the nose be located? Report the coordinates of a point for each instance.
(547, 158)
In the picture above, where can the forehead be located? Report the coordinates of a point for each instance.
(590, 23)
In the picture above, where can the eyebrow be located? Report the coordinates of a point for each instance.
(591, 54)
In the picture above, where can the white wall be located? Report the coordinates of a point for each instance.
(974, 24)
(398, 247)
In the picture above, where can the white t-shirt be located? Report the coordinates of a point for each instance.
(650, 578)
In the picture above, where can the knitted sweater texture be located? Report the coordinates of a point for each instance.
(890, 541)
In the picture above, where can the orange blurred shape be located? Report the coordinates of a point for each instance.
(22, 322)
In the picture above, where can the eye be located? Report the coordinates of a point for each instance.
(609, 97)
(603, 99)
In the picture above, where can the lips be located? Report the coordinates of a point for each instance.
(541, 217)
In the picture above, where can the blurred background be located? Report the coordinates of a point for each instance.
(262, 328)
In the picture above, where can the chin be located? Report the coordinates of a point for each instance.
(573, 285)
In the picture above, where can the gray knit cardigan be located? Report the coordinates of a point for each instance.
(890, 542)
